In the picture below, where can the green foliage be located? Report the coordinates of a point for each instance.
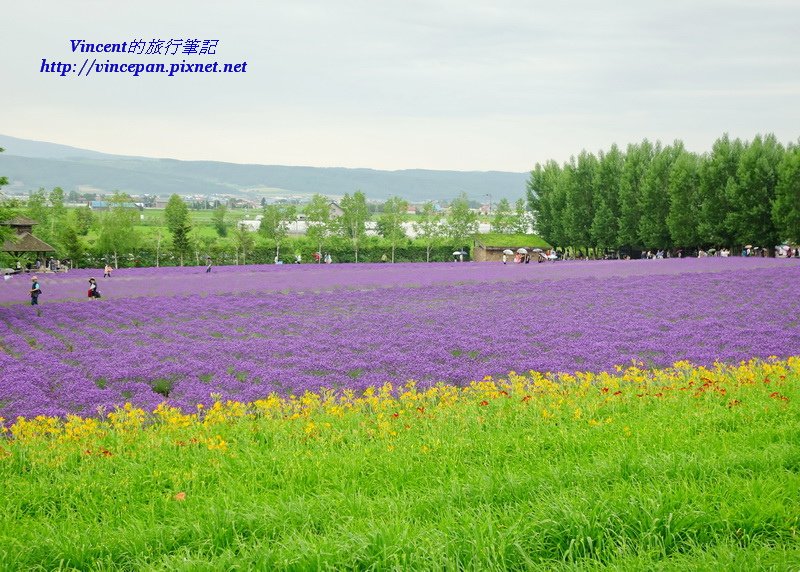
(117, 233)
(390, 223)
(218, 220)
(176, 214)
(497, 240)
(502, 220)
(181, 243)
(655, 197)
(786, 208)
(750, 218)
(318, 216)
(683, 217)
(428, 228)
(82, 220)
(275, 223)
(462, 223)
(352, 223)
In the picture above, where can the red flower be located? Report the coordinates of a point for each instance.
(484, 402)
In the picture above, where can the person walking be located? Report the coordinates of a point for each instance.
(208, 264)
(107, 271)
(35, 291)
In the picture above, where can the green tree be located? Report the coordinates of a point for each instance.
(717, 179)
(502, 220)
(428, 227)
(654, 199)
(117, 232)
(605, 226)
(318, 218)
(352, 223)
(176, 215)
(542, 188)
(181, 241)
(38, 209)
(634, 171)
(83, 219)
(218, 220)
(3, 180)
(684, 206)
(5, 212)
(275, 223)
(750, 218)
(786, 208)
(520, 218)
(580, 194)
(462, 223)
(71, 242)
(244, 242)
(390, 223)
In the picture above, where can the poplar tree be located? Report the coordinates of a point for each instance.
(786, 208)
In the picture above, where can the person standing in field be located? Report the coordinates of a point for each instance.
(107, 271)
(208, 264)
(35, 291)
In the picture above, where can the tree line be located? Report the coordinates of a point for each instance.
(652, 196)
(117, 235)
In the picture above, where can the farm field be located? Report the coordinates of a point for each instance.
(405, 416)
(244, 332)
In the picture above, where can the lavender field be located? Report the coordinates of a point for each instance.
(180, 335)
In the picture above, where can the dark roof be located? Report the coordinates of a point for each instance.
(21, 221)
(26, 242)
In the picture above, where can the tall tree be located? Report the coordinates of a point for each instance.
(218, 220)
(176, 214)
(5, 212)
(428, 227)
(38, 209)
(181, 241)
(243, 242)
(580, 194)
(83, 219)
(717, 180)
(684, 200)
(786, 208)
(654, 200)
(117, 232)
(352, 223)
(750, 219)
(318, 217)
(541, 190)
(520, 222)
(502, 217)
(605, 226)
(634, 170)
(390, 223)
(462, 223)
(71, 243)
(275, 223)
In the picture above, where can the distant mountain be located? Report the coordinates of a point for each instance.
(33, 164)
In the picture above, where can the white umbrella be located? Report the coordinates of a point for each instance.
(508, 251)
(522, 251)
(537, 250)
(458, 253)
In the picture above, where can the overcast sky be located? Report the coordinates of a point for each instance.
(476, 85)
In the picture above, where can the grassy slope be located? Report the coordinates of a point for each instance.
(696, 469)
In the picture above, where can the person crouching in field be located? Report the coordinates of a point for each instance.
(93, 291)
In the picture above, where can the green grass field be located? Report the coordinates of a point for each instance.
(684, 469)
